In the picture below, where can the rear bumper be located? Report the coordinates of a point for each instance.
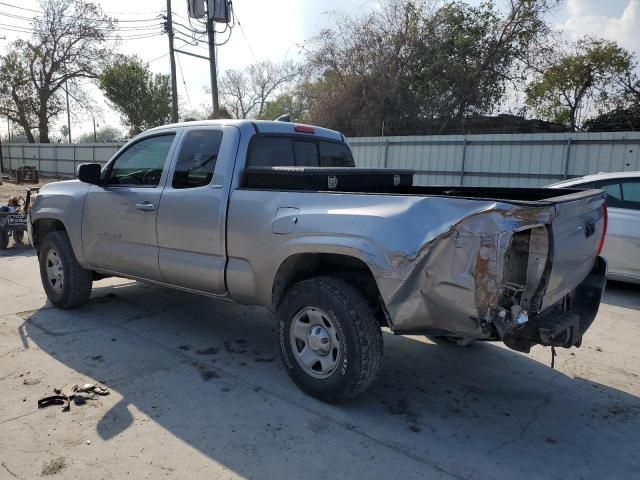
(562, 324)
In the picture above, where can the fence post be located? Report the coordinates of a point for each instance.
(386, 152)
(567, 156)
(464, 157)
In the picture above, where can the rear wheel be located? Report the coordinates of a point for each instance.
(4, 239)
(330, 340)
(65, 282)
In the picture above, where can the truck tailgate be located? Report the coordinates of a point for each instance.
(576, 231)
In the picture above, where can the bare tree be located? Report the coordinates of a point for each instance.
(67, 45)
(245, 93)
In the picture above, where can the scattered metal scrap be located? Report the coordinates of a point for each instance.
(76, 394)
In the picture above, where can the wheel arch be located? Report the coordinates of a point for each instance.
(43, 226)
(302, 266)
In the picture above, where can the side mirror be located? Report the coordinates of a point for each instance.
(89, 173)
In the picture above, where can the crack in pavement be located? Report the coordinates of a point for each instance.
(14, 475)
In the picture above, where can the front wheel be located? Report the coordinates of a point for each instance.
(4, 239)
(65, 282)
(330, 339)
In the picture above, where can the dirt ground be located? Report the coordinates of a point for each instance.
(197, 391)
(9, 189)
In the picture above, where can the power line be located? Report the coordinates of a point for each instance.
(71, 16)
(186, 90)
(145, 29)
(237, 20)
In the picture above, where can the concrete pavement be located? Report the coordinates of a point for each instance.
(198, 392)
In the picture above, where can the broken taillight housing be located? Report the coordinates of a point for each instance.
(605, 215)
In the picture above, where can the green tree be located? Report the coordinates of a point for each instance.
(141, 97)
(284, 105)
(416, 60)
(103, 135)
(67, 45)
(588, 77)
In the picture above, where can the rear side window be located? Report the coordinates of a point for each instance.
(631, 191)
(335, 155)
(292, 151)
(622, 193)
(197, 159)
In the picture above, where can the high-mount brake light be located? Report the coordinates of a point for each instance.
(304, 129)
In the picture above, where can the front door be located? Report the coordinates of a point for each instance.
(119, 218)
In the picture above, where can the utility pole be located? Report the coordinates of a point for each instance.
(211, 35)
(174, 84)
(95, 137)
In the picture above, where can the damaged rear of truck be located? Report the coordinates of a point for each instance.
(524, 272)
(517, 265)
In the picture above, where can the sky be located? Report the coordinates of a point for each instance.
(275, 30)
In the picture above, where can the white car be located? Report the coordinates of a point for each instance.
(622, 242)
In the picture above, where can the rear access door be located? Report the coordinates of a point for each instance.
(576, 232)
(193, 209)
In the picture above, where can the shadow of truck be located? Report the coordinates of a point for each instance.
(208, 372)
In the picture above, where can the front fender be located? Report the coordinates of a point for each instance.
(62, 202)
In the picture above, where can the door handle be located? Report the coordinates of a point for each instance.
(145, 206)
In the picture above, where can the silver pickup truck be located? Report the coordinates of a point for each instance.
(234, 210)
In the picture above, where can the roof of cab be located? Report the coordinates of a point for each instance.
(260, 126)
(595, 178)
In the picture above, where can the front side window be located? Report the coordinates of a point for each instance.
(142, 163)
(197, 159)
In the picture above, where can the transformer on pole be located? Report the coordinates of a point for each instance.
(219, 10)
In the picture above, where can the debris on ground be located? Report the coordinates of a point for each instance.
(76, 394)
(54, 466)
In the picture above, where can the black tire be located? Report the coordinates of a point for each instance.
(76, 282)
(18, 236)
(4, 239)
(357, 331)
